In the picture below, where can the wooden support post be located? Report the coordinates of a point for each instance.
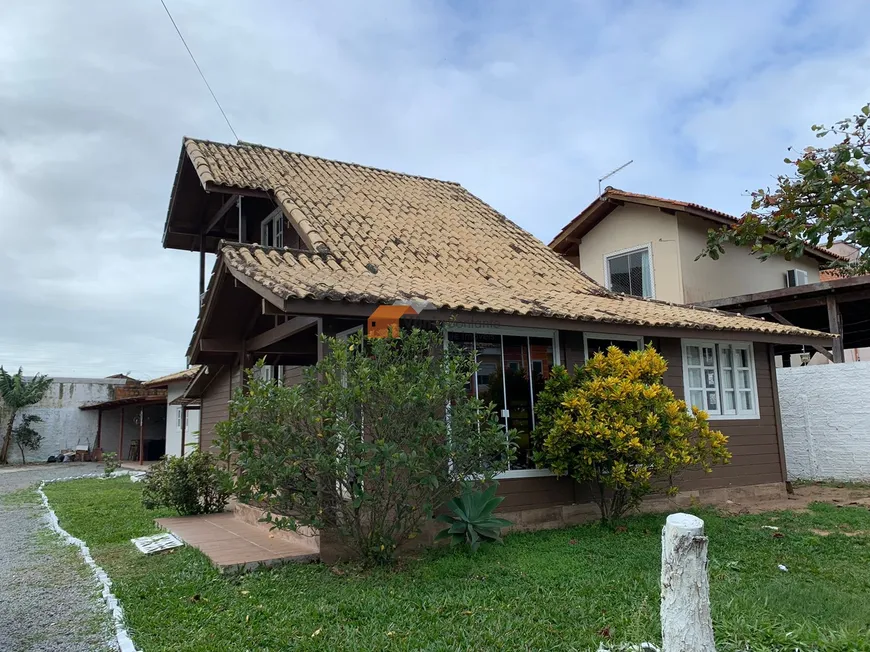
(777, 411)
(685, 611)
(183, 426)
(816, 347)
(99, 440)
(835, 326)
(201, 268)
(141, 434)
(121, 437)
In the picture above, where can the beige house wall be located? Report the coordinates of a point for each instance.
(633, 226)
(736, 272)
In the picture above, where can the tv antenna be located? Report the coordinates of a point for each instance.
(611, 173)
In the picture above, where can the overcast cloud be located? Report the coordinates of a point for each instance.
(524, 103)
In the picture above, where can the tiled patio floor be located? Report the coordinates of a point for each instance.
(233, 545)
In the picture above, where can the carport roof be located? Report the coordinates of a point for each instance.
(126, 401)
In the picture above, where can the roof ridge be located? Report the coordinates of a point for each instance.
(246, 144)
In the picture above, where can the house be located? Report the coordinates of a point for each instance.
(306, 246)
(182, 415)
(648, 246)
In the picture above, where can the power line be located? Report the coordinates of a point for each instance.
(201, 74)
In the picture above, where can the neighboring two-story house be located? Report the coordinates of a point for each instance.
(649, 247)
(307, 246)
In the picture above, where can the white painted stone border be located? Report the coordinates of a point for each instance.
(125, 643)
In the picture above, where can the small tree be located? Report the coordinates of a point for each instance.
(17, 394)
(378, 434)
(826, 198)
(616, 428)
(25, 436)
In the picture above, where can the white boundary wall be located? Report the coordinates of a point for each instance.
(64, 425)
(826, 421)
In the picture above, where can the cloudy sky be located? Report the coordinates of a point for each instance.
(524, 103)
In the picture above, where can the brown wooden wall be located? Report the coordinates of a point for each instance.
(754, 444)
(215, 406)
(293, 375)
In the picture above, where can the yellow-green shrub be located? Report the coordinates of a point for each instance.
(616, 428)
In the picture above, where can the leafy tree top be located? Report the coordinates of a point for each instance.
(17, 393)
(825, 198)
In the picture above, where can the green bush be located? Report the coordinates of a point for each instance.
(618, 429)
(189, 485)
(110, 463)
(379, 433)
(471, 521)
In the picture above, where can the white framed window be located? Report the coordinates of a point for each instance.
(629, 271)
(178, 410)
(270, 373)
(272, 229)
(595, 342)
(719, 378)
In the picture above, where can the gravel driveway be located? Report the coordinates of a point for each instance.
(49, 600)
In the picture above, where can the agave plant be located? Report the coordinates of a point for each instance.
(471, 520)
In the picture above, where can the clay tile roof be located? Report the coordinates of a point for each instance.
(382, 237)
(187, 374)
(582, 224)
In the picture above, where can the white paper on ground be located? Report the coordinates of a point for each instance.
(157, 543)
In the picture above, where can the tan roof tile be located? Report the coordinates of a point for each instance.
(187, 374)
(384, 237)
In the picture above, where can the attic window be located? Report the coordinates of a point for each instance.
(630, 272)
(275, 231)
(272, 229)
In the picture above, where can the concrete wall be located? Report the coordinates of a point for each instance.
(826, 421)
(637, 226)
(736, 272)
(173, 423)
(64, 425)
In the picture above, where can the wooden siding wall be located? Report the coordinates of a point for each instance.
(215, 406)
(754, 443)
(293, 375)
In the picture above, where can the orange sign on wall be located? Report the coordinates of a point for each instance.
(384, 321)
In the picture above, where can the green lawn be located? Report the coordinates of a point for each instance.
(557, 590)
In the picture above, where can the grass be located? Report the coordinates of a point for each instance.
(556, 590)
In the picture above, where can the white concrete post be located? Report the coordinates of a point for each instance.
(685, 611)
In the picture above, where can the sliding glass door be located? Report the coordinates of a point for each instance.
(513, 367)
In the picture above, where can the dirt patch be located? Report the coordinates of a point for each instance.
(802, 497)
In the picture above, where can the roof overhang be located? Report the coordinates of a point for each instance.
(839, 306)
(847, 289)
(199, 212)
(270, 303)
(125, 402)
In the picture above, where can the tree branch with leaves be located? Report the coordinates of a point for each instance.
(825, 198)
(16, 393)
